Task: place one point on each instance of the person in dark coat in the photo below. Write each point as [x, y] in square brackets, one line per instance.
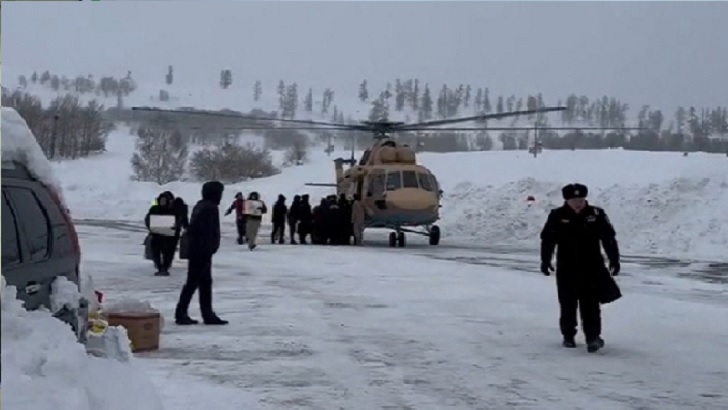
[280, 211]
[162, 246]
[332, 220]
[319, 233]
[204, 241]
[305, 221]
[294, 217]
[182, 211]
[238, 206]
[344, 226]
[578, 229]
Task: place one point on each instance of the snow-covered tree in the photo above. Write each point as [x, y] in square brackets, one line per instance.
[161, 155]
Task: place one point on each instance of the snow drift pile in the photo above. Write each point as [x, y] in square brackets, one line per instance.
[44, 367]
[660, 203]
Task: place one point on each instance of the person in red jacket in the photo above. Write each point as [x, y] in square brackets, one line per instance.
[240, 218]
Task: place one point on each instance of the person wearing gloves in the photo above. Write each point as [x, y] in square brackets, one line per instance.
[163, 244]
[254, 210]
[579, 231]
[238, 206]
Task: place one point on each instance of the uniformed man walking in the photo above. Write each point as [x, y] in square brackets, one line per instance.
[578, 229]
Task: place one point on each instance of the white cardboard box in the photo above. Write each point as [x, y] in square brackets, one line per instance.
[162, 224]
[252, 207]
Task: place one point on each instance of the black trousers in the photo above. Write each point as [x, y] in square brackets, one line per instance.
[583, 297]
[279, 232]
[163, 248]
[199, 278]
[304, 229]
[240, 224]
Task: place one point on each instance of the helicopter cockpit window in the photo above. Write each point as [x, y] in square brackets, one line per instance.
[394, 180]
[425, 182]
[376, 184]
[435, 184]
[365, 157]
[409, 179]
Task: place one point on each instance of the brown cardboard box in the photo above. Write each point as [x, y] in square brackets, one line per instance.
[143, 328]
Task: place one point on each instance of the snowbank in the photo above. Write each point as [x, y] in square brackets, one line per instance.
[660, 203]
[45, 368]
[19, 145]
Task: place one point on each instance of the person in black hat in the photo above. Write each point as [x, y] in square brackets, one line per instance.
[578, 229]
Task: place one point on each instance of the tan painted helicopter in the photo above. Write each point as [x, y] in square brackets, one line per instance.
[398, 193]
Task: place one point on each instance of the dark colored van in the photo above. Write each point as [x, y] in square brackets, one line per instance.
[39, 243]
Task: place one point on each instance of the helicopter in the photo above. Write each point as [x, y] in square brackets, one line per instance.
[398, 193]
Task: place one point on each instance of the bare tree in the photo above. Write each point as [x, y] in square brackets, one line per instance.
[66, 129]
[231, 162]
[161, 155]
[297, 153]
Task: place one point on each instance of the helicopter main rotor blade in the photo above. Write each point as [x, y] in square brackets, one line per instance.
[487, 128]
[228, 115]
[482, 117]
[195, 127]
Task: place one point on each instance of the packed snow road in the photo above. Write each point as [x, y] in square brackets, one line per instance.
[363, 328]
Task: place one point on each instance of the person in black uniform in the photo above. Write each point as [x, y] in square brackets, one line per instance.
[578, 229]
[204, 241]
[294, 217]
[280, 211]
[162, 246]
[305, 219]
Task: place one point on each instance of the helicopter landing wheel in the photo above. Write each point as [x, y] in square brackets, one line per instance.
[392, 239]
[401, 241]
[434, 235]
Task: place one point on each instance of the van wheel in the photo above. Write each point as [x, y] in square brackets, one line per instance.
[401, 242]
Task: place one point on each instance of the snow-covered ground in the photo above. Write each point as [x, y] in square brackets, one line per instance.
[660, 203]
[374, 327]
[468, 324]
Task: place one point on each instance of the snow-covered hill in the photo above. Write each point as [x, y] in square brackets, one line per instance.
[660, 203]
[187, 92]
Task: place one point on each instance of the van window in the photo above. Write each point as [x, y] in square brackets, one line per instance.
[32, 217]
[11, 247]
[61, 237]
[425, 182]
[409, 179]
[394, 180]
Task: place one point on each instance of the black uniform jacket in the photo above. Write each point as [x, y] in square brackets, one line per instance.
[579, 238]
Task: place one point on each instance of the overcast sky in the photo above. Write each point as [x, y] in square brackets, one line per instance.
[659, 53]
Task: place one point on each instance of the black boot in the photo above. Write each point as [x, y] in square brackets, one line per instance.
[185, 321]
[569, 342]
[593, 345]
